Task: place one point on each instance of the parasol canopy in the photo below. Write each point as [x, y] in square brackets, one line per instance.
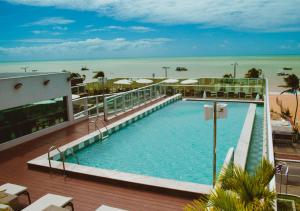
[189, 81]
[144, 81]
[170, 81]
[123, 82]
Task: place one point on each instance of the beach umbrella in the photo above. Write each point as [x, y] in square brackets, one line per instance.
[123, 82]
[144, 81]
[189, 81]
[170, 81]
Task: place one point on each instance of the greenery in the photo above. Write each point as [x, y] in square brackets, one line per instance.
[292, 81]
[99, 74]
[239, 190]
[253, 73]
[290, 197]
[284, 205]
[227, 75]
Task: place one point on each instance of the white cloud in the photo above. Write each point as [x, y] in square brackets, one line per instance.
[46, 32]
[89, 48]
[50, 21]
[258, 15]
[41, 40]
[39, 31]
[141, 29]
[60, 28]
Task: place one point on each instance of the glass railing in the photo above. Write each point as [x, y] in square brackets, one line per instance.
[219, 87]
[124, 101]
[88, 106]
[208, 87]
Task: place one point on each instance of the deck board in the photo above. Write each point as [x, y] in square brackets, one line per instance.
[87, 194]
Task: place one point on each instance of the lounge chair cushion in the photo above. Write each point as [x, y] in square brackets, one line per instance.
[4, 207]
[12, 188]
[107, 208]
[47, 200]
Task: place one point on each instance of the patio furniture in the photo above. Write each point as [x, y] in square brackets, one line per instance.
[55, 208]
[213, 94]
[230, 95]
[15, 190]
[241, 94]
[5, 207]
[108, 208]
[8, 199]
[220, 94]
[48, 200]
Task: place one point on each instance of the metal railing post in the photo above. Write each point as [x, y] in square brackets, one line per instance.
[85, 105]
[97, 106]
[123, 103]
[105, 108]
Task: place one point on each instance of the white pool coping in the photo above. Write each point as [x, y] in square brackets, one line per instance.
[190, 187]
[242, 149]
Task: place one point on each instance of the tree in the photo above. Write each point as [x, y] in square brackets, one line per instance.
[253, 73]
[227, 75]
[240, 190]
[292, 81]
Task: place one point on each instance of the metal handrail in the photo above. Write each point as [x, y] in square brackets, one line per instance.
[61, 154]
[96, 126]
[74, 155]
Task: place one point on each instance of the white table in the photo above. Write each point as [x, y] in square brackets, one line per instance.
[15, 190]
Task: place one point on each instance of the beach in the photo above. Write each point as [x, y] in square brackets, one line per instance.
[288, 101]
[147, 67]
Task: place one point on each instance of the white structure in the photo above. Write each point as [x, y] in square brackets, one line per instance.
[20, 94]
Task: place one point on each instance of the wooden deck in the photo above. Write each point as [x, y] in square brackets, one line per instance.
[87, 194]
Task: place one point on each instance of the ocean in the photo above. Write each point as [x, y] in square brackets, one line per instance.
[146, 67]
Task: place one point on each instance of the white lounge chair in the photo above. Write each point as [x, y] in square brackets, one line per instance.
[16, 190]
[48, 200]
[107, 208]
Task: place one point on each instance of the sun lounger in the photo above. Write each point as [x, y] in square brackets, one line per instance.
[50, 199]
[107, 208]
[220, 94]
[242, 95]
[15, 190]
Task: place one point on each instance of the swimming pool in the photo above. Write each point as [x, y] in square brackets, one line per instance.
[174, 142]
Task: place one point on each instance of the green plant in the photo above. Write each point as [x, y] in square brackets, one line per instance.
[253, 73]
[227, 75]
[292, 81]
[239, 190]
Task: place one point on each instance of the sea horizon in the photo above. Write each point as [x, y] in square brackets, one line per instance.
[153, 57]
[145, 67]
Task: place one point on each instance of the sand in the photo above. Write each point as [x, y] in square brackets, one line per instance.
[288, 101]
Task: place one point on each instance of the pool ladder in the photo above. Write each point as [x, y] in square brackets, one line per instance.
[96, 126]
[62, 155]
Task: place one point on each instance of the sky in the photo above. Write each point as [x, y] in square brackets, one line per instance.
[94, 29]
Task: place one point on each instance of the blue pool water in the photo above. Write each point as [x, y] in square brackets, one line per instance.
[256, 143]
[174, 142]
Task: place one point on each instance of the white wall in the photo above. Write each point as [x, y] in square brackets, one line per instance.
[33, 89]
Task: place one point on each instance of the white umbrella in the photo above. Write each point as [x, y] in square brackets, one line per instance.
[144, 81]
[170, 81]
[123, 82]
[189, 81]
